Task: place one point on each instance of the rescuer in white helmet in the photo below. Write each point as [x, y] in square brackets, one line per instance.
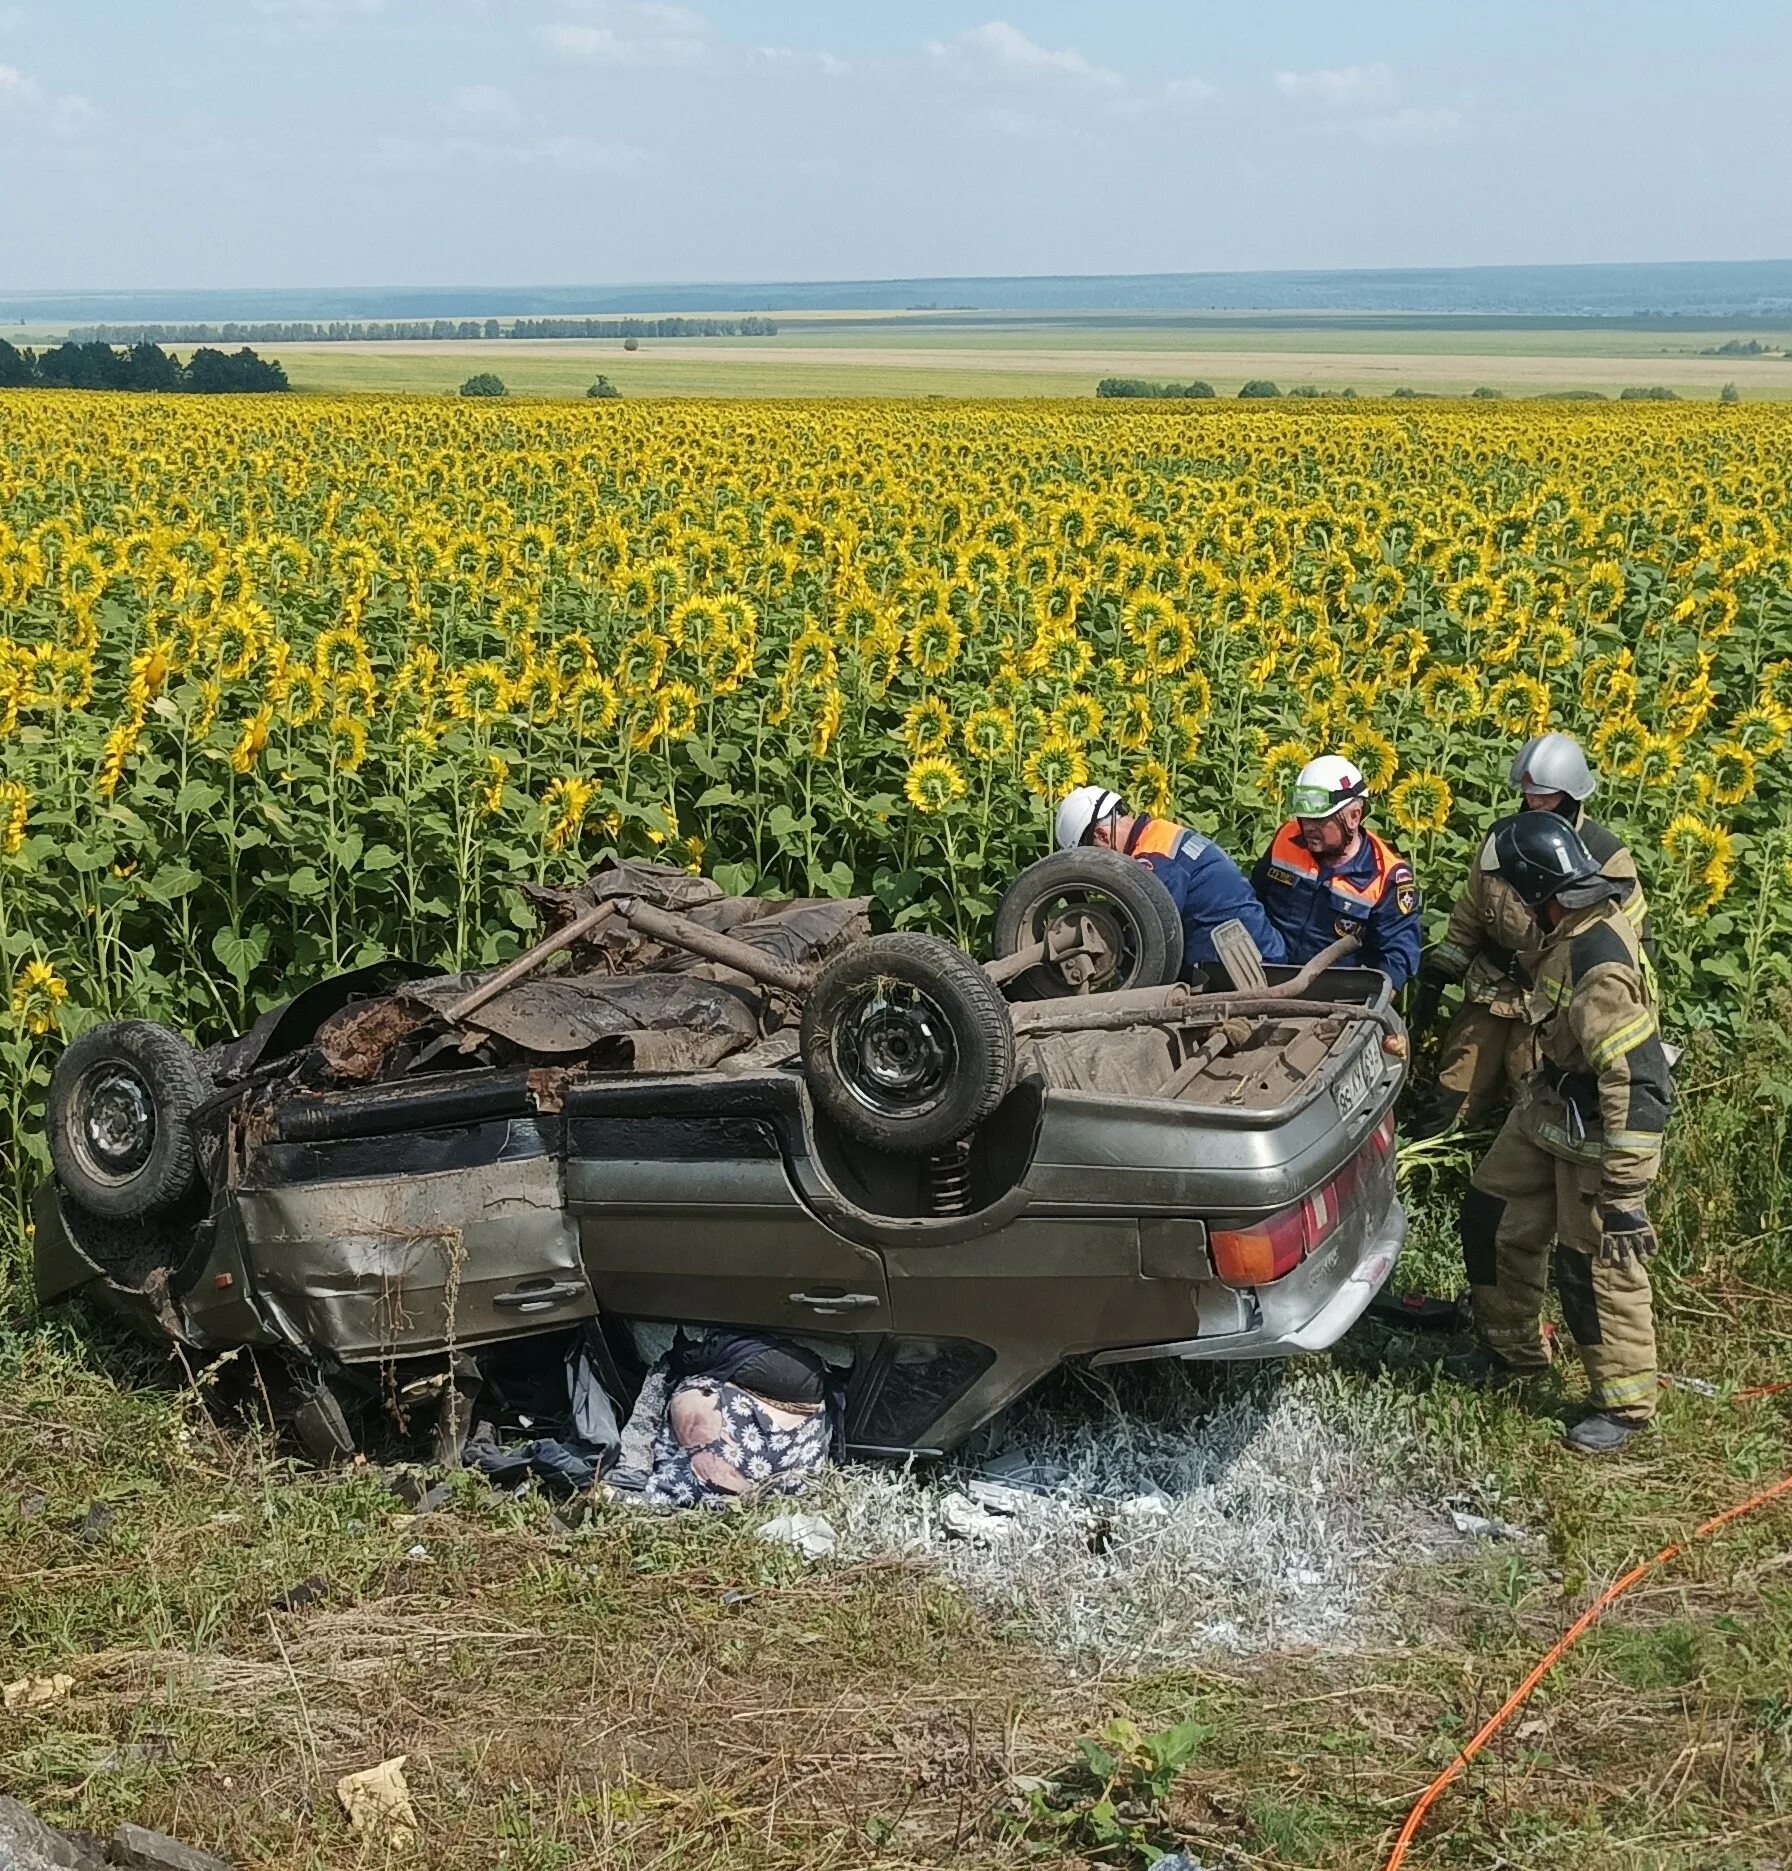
[1492, 944]
[1325, 876]
[1206, 886]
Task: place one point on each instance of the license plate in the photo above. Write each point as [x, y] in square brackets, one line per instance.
[1357, 1080]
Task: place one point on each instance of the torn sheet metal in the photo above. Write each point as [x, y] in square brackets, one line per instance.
[554, 1016]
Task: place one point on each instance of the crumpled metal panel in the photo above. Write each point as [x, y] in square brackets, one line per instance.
[407, 1264]
[557, 1015]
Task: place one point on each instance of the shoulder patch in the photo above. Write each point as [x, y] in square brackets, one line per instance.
[1406, 898]
[1594, 948]
[1603, 844]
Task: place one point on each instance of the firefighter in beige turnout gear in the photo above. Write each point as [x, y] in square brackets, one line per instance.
[1574, 1162]
[1491, 948]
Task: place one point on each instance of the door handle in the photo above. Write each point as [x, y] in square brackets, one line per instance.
[835, 1302]
[540, 1298]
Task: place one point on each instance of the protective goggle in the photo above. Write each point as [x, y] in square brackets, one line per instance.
[1320, 802]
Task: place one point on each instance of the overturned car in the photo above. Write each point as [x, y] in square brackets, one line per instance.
[681, 1108]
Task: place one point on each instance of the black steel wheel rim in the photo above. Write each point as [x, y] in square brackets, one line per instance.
[114, 1127]
[893, 1049]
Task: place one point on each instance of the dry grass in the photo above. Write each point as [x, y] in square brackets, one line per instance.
[656, 1691]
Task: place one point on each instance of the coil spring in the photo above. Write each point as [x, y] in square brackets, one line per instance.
[949, 1180]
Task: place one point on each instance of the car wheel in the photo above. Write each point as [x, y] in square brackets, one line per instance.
[120, 1104]
[1131, 917]
[906, 1043]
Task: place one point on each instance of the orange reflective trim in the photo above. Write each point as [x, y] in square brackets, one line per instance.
[1291, 854]
[1158, 840]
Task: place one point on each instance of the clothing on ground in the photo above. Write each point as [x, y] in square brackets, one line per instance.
[1371, 894]
[1206, 886]
[755, 1449]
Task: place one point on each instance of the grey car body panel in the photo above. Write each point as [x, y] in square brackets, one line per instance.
[404, 1220]
[417, 1263]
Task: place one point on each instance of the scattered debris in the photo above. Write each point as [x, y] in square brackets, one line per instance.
[418, 1494]
[1699, 1386]
[91, 1528]
[963, 1519]
[811, 1535]
[36, 1692]
[297, 1597]
[1171, 1514]
[378, 1803]
[1485, 1527]
[997, 1496]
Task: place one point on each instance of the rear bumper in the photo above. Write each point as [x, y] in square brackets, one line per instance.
[1308, 1311]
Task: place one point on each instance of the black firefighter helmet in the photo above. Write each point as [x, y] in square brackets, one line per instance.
[1540, 855]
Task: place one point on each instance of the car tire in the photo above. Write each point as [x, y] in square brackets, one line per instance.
[906, 1043]
[119, 1114]
[1127, 895]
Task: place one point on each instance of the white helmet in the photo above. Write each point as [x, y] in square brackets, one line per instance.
[1081, 811]
[1326, 786]
[1553, 763]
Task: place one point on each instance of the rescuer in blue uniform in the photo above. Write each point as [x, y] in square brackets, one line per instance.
[1205, 885]
[1325, 876]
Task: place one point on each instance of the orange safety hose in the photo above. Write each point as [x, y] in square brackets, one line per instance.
[1609, 1596]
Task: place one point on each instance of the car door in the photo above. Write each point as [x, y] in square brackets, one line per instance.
[685, 1212]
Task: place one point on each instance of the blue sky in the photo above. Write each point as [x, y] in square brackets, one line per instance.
[459, 142]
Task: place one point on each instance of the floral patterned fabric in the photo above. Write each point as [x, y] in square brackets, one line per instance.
[772, 1458]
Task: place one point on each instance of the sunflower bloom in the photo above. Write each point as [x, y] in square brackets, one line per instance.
[1422, 803]
[15, 809]
[253, 739]
[988, 734]
[564, 806]
[1280, 764]
[927, 726]
[934, 782]
[1730, 777]
[1054, 768]
[37, 992]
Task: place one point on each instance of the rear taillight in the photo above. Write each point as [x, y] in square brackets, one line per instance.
[1268, 1249]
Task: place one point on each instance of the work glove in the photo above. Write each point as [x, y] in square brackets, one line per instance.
[1626, 1231]
[1427, 998]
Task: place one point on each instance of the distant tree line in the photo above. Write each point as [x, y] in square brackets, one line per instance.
[299, 332]
[1138, 386]
[95, 366]
[1741, 347]
[749, 327]
[346, 331]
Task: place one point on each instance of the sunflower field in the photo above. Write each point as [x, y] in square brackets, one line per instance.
[287, 684]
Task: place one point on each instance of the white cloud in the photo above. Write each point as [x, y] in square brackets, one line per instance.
[24, 103]
[1189, 91]
[1410, 128]
[1348, 87]
[796, 58]
[998, 50]
[565, 155]
[632, 33]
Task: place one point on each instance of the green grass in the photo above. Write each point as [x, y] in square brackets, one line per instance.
[645, 1692]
